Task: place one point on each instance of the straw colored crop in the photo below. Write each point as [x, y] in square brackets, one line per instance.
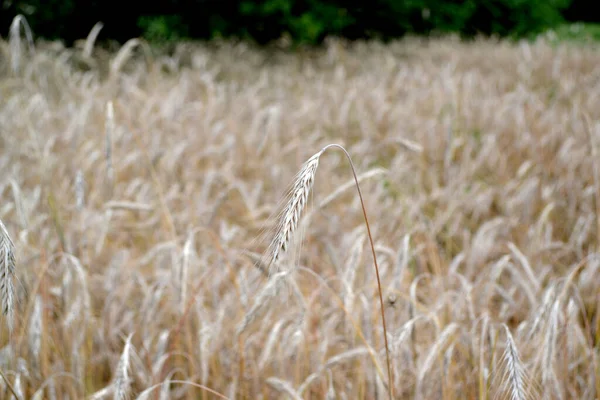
[142, 188]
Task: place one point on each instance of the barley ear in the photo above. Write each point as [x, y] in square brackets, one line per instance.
[515, 383]
[91, 39]
[7, 272]
[122, 381]
[288, 222]
[15, 41]
[514, 369]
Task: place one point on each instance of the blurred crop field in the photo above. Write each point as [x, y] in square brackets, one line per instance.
[140, 187]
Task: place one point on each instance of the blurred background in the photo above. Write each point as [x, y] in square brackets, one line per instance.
[300, 21]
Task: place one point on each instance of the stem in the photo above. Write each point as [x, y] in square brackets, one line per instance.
[197, 385]
[362, 203]
[10, 387]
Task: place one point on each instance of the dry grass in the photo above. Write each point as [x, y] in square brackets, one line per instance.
[134, 187]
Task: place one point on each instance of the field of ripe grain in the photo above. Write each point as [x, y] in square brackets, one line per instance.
[142, 190]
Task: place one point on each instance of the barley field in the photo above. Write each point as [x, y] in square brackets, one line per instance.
[155, 257]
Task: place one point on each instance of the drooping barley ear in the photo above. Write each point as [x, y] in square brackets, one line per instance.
[440, 345]
[122, 382]
[126, 51]
[288, 222]
[7, 273]
[91, 39]
[331, 362]
[272, 288]
[15, 40]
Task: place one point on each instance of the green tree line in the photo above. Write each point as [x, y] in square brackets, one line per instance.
[304, 21]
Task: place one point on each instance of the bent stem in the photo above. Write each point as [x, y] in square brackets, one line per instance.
[364, 210]
[196, 385]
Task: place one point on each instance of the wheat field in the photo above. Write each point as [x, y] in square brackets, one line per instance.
[142, 189]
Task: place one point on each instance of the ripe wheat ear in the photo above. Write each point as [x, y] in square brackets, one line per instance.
[513, 379]
[7, 272]
[290, 218]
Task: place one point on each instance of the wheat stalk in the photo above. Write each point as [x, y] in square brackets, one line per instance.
[7, 272]
[290, 217]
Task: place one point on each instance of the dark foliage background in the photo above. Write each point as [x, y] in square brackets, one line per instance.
[303, 21]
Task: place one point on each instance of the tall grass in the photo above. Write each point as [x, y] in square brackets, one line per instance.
[135, 185]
